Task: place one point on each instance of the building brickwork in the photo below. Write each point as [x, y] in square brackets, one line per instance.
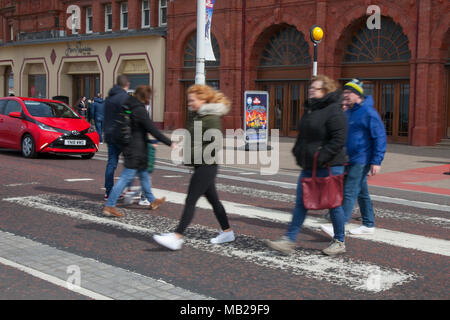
[243, 29]
[411, 95]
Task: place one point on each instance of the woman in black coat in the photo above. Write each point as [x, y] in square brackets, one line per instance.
[135, 153]
[322, 129]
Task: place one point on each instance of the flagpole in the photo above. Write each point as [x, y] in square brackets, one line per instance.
[200, 59]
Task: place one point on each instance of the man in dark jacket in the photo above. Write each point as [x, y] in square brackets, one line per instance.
[98, 114]
[113, 108]
[135, 153]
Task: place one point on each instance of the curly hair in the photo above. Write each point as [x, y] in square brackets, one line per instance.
[328, 84]
[209, 94]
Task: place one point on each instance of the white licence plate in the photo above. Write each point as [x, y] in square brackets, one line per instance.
[74, 142]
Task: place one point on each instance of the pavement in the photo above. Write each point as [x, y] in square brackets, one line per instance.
[405, 167]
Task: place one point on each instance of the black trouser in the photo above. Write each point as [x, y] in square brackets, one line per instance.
[203, 183]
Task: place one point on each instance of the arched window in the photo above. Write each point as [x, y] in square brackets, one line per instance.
[287, 47]
[190, 52]
[386, 44]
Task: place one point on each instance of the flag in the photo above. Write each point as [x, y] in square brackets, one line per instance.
[209, 53]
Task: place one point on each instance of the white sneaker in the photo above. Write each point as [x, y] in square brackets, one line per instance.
[169, 240]
[328, 229]
[223, 237]
[128, 198]
[144, 202]
[363, 230]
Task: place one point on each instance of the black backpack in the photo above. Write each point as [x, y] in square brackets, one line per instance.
[122, 127]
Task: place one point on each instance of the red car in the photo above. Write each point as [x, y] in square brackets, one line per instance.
[45, 126]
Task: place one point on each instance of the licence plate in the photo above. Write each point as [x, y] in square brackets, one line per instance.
[74, 142]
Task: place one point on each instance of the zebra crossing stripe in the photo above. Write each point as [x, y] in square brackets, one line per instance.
[344, 271]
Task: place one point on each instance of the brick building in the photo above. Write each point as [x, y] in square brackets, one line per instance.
[264, 44]
[259, 44]
[76, 48]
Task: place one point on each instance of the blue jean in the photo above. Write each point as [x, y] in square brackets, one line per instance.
[125, 178]
[99, 129]
[299, 212]
[355, 188]
[114, 152]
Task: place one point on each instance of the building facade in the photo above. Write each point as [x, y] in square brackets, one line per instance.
[264, 45]
[77, 48]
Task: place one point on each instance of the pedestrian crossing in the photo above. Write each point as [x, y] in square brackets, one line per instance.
[336, 270]
[346, 271]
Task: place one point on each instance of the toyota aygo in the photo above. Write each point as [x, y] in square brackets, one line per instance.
[36, 126]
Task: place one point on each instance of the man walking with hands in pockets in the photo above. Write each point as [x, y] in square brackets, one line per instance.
[366, 146]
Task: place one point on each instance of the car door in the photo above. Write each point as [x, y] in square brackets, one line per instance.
[2, 122]
[13, 126]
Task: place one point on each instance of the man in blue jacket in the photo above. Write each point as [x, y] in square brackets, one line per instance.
[113, 108]
[98, 114]
[366, 146]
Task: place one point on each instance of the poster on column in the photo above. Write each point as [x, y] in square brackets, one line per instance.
[256, 116]
[209, 53]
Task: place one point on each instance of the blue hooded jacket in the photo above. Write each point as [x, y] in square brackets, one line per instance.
[366, 142]
[98, 109]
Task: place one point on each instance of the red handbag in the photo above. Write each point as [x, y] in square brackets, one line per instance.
[322, 193]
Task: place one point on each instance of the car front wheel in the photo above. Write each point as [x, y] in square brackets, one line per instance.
[28, 147]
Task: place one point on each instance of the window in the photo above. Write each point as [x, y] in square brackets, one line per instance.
[145, 14]
[11, 30]
[138, 79]
[387, 44]
[108, 17]
[50, 110]
[2, 106]
[190, 52]
[162, 12]
[124, 16]
[287, 47]
[13, 106]
[89, 20]
[37, 86]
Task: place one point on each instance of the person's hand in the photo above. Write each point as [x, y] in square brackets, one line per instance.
[173, 145]
[155, 145]
[374, 169]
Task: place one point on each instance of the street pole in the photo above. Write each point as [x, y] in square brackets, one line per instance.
[316, 35]
[200, 59]
[315, 61]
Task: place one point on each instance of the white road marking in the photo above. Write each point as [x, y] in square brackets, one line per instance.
[340, 271]
[290, 198]
[393, 238]
[54, 280]
[21, 184]
[78, 180]
[172, 176]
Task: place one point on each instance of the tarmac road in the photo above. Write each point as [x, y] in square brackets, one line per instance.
[56, 222]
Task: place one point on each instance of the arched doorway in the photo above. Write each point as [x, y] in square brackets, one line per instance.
[284, 71]
[381, 59]
[189, 63]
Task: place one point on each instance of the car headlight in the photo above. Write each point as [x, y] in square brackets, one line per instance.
[46, 127]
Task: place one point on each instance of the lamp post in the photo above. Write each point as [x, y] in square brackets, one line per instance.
[316, 34]
[200, 59]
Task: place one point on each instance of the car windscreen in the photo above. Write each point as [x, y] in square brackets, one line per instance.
[50, 110]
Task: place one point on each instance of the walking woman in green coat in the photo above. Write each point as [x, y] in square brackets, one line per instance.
[209, 106]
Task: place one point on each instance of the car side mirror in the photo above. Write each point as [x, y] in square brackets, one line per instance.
[15, 114]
